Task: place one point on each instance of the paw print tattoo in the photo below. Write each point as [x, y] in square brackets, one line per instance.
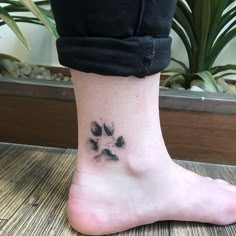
[104, 142]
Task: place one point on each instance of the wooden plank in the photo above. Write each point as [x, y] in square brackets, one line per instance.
[38, 121]
[198, 229]
[189, 229]
[22, 169]
[44, 211]
[222, 230]
[200, 136]
[3, 147]
[11, 157]
[2, 223]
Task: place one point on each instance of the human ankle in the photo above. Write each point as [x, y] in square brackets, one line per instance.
[127, 106]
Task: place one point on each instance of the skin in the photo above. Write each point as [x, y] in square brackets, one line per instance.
[116, 187]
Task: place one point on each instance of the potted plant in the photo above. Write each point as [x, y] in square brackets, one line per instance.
[205, 28]
[202, 121]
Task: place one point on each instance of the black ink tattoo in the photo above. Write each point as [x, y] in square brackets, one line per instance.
[109, 156]
[120, 142]
[93, 144]
[96, 129]
[109, 130]
[104, 142]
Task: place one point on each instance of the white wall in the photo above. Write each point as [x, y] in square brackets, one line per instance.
[42, 43]
[228, 55]
[44, 50]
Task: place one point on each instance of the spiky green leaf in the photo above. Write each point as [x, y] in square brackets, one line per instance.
[186, 25]
[209, 80]
[202, 27]
[186, 43]
[29, 4]
[217, 9]
[220, 45]
[5, 56]
[219, 69]
[181, 64]
[7, 18]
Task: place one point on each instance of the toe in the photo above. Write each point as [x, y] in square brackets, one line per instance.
[229, 187]
[221, 181]
[223, 208]
[230, 211]
[224, 184]
[208, 178]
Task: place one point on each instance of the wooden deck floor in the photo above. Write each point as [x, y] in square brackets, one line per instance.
[34, 184]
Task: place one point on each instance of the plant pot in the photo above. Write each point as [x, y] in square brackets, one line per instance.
[196, 126]
[199, 126]
[38, 112]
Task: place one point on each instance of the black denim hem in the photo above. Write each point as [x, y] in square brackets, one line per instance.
[135, 56]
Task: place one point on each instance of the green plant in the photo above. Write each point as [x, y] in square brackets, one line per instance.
[205, 27]
[9, 15]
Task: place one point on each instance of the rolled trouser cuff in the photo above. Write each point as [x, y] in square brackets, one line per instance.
[134, 56]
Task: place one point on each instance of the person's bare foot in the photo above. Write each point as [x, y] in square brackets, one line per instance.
[115, 199]
[124, 176]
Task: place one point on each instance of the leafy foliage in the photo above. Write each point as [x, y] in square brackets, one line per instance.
[205, 27]
[42, 15]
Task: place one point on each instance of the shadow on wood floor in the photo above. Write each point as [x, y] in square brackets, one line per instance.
[34, 185]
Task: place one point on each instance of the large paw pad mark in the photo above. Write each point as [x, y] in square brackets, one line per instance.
[104, 141]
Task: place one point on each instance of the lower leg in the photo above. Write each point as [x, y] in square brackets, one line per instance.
[124, 175]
